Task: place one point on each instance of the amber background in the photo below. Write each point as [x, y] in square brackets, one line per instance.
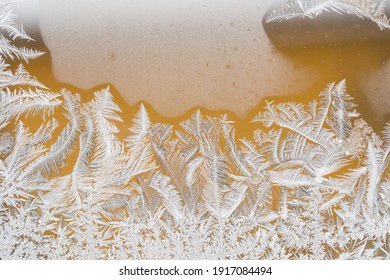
[177, 55]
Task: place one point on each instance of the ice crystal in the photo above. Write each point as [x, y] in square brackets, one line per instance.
[373, 10]
[312, 182]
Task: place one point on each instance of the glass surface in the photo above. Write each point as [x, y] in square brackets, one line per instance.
[194, 129]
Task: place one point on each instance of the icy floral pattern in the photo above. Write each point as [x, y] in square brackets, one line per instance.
[373, 10]
[312, 182]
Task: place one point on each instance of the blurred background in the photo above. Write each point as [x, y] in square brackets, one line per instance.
[176, 55]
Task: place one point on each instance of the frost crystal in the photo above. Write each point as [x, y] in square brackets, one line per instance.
[373, 10]
[312, 182]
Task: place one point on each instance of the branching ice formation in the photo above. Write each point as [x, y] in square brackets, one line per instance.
[313, 182]
[366, 9]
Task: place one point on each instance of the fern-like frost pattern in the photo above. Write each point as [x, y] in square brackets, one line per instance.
[312, 182]
[373, 10]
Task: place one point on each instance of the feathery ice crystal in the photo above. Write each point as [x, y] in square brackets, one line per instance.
[313, 182]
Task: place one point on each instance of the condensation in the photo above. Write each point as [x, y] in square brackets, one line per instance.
[177, 55]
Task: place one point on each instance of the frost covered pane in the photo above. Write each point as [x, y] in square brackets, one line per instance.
[312, 182]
